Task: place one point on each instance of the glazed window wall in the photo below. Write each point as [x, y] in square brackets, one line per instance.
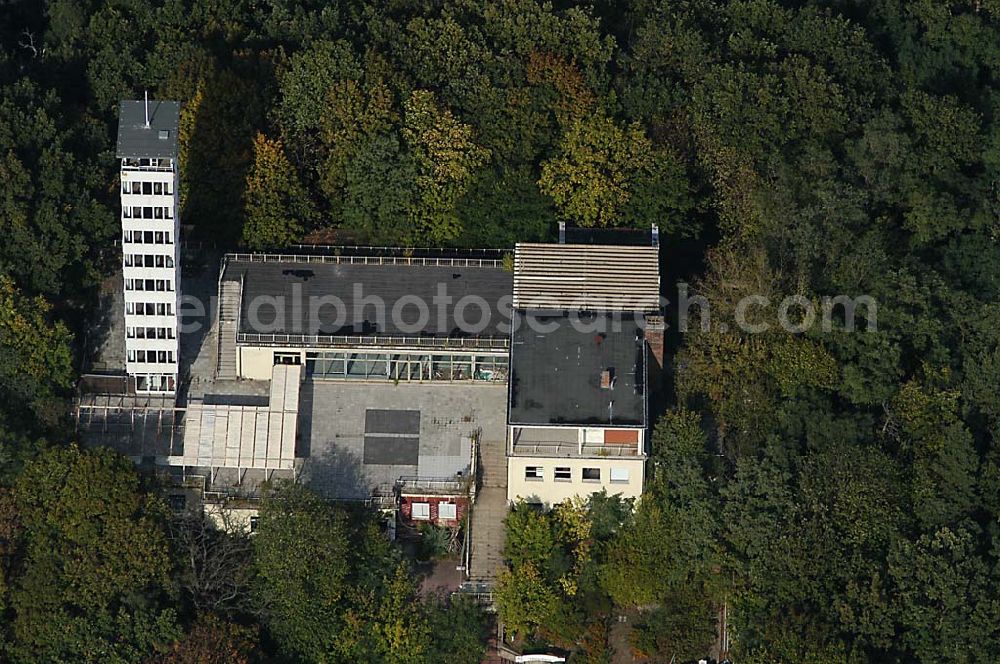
[345, 365]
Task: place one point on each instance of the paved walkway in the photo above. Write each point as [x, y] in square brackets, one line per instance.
[489, 512]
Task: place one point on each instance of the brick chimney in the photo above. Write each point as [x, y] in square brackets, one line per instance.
[655, 328]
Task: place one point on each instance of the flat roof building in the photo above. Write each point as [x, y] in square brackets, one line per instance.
[580, 368]
[577, 410]
[148, 129]
[370, 299]
[150, 221]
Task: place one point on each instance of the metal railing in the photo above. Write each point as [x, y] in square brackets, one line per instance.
[335, 259]
[550, 448]
[408, 483]
[373, 250]
[474, 343]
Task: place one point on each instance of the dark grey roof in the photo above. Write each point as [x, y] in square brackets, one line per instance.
[555, 374]
[136, 140]
[356, 286]
[615, 236]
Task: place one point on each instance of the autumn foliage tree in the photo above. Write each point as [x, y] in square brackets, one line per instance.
[278, 210]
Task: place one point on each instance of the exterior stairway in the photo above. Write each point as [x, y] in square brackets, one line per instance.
[229, 310]
[488, 513]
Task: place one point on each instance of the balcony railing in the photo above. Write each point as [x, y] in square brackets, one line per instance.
[431, 261]
[565, 449]
[433, 485]
[332, 341]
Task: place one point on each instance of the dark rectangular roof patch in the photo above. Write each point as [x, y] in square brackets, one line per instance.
[391, 451]
[392, 421]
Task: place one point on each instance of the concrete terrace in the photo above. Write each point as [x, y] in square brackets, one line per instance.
[332, 431]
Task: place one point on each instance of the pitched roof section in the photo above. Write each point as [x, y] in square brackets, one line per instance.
[586, 277]
[136, 140]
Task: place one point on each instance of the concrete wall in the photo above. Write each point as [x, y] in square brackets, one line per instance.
[229, 518]
[550, 491]
[256, 362]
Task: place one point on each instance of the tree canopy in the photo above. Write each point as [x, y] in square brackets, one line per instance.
[833, 488]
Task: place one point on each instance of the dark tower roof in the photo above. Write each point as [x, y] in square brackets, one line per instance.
[159, 139]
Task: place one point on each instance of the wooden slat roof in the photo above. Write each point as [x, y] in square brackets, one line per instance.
[586, 277]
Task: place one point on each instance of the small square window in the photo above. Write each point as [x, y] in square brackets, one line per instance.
[619, 475]
[421, 511]
[563, 474]
[591, 474]
[447, 511]
[534, 473]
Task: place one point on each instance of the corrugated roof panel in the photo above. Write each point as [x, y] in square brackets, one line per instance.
[586, 277]
[248, 433]
[276, 402]
[228, 436]
[293, 380]
[274, 436]
[206, 440]
[219, 436]
[233, 437]
[288, 426]
[192, 435]
[260, 439]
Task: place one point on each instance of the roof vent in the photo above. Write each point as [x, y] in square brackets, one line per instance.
[164, 134]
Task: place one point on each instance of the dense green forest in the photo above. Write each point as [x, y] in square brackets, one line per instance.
[838, 492]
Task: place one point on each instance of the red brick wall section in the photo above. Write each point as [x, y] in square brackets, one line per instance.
[406, 508]
[655, 327]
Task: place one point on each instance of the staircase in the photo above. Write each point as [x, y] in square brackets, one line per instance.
[229, 314]
[488, 513]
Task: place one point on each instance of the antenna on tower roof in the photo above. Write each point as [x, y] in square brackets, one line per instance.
[146, 106]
